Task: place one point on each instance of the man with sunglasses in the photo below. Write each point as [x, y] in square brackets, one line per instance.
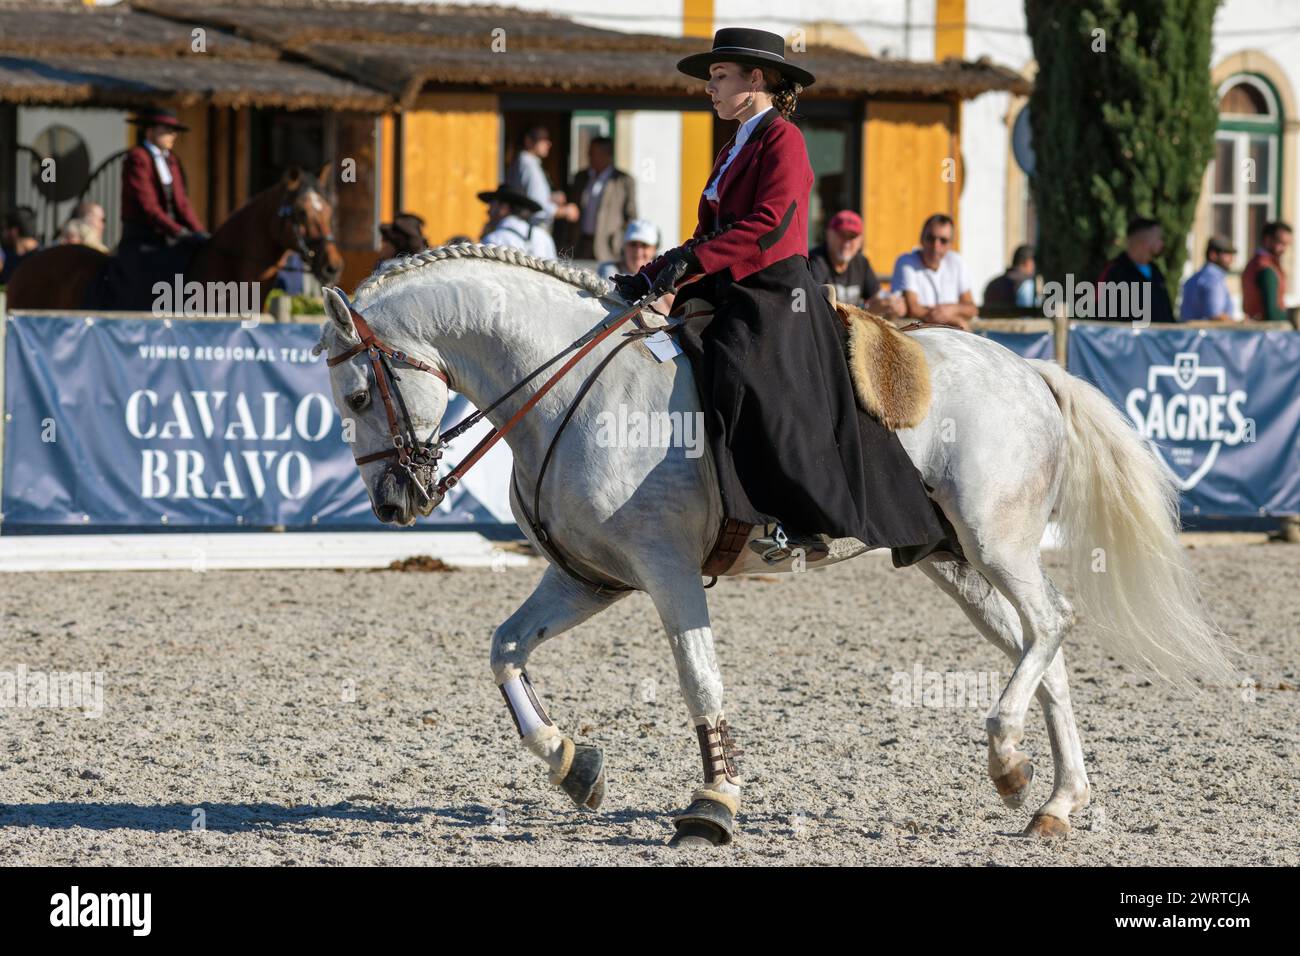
[933, 280]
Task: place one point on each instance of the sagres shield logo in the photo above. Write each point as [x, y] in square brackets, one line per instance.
[1187, 412]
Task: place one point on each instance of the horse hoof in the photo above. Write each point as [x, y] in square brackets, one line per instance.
[585, 781]
[1047, 827]
[1013, 786]
[703, 823]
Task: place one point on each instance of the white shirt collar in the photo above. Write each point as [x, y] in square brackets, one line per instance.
[154, 148]
[747, 127]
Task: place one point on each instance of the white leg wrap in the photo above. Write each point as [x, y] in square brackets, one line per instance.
[524, 706]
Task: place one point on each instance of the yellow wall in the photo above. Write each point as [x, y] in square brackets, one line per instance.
[903, 176]
[449, 155]
[697, 128]
[950, 34]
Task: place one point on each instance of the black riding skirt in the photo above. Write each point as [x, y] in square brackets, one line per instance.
[788, 437]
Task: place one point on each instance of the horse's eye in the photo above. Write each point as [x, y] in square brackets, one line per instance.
[357, 400]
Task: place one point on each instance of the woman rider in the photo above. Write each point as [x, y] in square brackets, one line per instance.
[792, 449]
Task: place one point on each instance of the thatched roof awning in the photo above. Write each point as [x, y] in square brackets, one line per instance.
[404, 70]
[134, 81]
[403, 48]
[114, 56]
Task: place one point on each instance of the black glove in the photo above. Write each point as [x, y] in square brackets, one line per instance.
[632, 287]
[678, 263]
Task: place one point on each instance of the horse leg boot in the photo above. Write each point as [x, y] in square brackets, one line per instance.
[557, 604]
[710, 817]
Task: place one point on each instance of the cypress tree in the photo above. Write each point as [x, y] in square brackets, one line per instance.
[1123, 117]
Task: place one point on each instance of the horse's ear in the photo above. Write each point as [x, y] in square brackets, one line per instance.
[292, 176]
[336, 307]
[324, 174]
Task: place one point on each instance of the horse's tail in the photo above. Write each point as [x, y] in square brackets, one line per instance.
[1118, 512]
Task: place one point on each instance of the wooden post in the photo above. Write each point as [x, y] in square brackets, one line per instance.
[282, 308]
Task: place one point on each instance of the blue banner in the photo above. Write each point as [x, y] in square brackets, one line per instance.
[151, 423]
[1030, 345]
[1222, 408]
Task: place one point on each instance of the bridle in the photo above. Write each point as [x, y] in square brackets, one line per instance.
[419, 459]
[308, 251]
[413, 455]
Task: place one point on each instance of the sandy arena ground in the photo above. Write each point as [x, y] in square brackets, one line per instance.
[303, 720]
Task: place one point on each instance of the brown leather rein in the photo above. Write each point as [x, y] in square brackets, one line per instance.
[415, 456]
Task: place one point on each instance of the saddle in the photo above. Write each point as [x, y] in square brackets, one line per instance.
[890, 375]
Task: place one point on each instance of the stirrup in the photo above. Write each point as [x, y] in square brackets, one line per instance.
[779, 546]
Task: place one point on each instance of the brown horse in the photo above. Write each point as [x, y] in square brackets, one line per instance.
[293, 215]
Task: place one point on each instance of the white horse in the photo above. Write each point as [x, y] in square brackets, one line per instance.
[1007, 444]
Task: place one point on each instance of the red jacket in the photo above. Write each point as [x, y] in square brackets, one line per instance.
[1252, 295]
[143, 199]
[766, 189]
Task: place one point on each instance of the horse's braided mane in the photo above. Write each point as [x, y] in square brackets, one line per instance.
[403, 265]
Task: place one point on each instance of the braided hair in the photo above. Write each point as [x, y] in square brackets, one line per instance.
[785, 92]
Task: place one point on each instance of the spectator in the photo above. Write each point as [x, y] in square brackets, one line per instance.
[77, 232]
[18, 238]
[92, 214]
[839, 262]
[640, 246]
[404, 236]
[933, 280]
[508, 224]
[1263, 283]
[1144, 240]
[1205, 294]
[606, 199]
[527, 176]
[1015, 287]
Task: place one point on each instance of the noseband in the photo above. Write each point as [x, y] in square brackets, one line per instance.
[413, 455]
[308, 251]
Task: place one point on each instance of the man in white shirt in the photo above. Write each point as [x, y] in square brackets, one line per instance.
[933, 279]
[508, 225]
[527, 176]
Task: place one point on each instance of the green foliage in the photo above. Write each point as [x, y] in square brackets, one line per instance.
[1123, 117]
[298, 304]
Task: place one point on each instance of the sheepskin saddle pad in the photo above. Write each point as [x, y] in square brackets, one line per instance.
[888, 368]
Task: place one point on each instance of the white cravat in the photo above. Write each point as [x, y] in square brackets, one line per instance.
[160, 162]
[742, 137]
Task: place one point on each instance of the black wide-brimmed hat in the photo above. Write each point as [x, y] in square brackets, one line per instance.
[158, 117]
[752, 47]
[511, 197]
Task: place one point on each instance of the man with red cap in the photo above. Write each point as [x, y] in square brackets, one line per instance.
[839, 262]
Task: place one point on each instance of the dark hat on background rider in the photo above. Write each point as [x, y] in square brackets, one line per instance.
[1219, 244]
[405, 232]
[512, 198]
[158, 117]
[750, 47]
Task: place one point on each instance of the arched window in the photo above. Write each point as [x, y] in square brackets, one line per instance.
[1247, 164]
